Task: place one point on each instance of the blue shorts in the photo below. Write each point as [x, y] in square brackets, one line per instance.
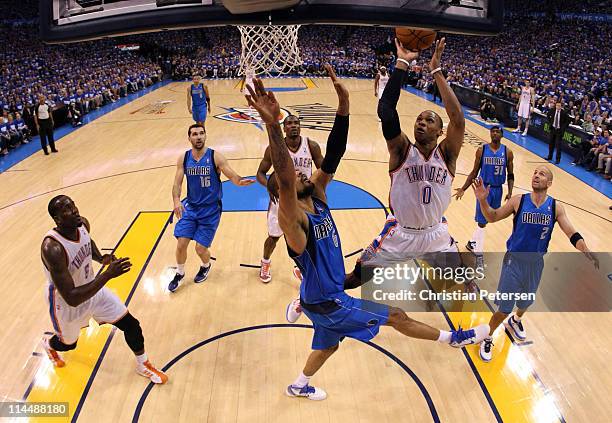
[199, 224]
[494, 199]
[519, 276]
[199, 113]
[358, 319]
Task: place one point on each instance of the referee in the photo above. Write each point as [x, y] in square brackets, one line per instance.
[44, 124]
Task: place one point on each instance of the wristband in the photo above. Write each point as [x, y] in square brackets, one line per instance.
[435, 70]
[404, 61]
[575, 238]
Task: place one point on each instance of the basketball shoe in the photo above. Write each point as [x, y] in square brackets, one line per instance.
[307, 391]
[517, 327]
[202, 274]
[461, 338]
[265, 275]
[486, 349]
[149, 371]
[52, 354]
[174, 283]
[294, 311]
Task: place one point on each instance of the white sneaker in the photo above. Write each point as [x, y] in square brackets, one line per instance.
[516, 327]
[310, 392]
[149, 371]
[475, 335]
[517, 130]
[265, 275]
[486, 349]
[294, 311]
[524, 133]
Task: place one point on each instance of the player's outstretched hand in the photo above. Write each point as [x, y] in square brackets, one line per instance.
[264, 102]
[243, 182]
[592, 257]
[437, 56]
[107, 259]
[405, 54]
[507, 197]
[480, 191]
[339, 86]
[119, 267]
[458, 193]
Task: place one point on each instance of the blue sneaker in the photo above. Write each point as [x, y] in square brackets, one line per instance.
[517, 328]
[174, 283]
[310, 392]
[202, 274]
[476, 335]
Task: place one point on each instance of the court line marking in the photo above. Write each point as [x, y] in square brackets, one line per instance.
[415, 378]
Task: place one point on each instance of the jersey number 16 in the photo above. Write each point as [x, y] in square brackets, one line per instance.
[205, 181]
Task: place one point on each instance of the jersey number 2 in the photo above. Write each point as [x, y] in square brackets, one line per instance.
[544, 232]
[426, 195]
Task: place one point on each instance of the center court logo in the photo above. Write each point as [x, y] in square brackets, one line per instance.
[248, 115]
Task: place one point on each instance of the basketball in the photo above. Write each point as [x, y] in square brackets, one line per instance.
[415, 39]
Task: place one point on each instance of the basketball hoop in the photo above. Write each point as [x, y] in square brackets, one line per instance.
[271, 50]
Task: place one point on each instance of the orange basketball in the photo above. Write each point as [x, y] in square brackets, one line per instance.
[415, 39]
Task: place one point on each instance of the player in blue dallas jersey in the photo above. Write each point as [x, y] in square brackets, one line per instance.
[535, 215]
[198, 100]
[494, 161]
[314, 244]
[199, 214]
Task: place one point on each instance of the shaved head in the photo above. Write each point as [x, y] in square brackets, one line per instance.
[548, 172]
[55, 204]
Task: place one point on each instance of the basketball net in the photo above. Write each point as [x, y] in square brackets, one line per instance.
[270, 50]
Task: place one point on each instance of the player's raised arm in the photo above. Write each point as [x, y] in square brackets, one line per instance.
[491, 214]
[336, 142]
[473, 174]
[292, 218]
[456, 128]
[397, 141]
[226, 169]
[575, 238]
[54, 258]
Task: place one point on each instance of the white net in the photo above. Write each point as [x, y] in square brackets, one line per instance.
[270, 50]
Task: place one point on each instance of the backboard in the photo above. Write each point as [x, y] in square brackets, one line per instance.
[77, 20]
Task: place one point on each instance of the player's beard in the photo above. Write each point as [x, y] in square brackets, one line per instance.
[306, 191]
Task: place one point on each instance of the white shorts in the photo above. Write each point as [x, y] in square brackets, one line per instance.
[524, 110]
[274, 229]
[396, 243]
[104, 307]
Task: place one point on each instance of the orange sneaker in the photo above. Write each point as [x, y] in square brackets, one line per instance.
[148, 370]
[52, 354]
[265, 275]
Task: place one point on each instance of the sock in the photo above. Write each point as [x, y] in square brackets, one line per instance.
[140, 359]
[478, 237]
[445, 337]
[180, 269]
[266, 261]
[206, 265]
[516, 318]
[301, 381]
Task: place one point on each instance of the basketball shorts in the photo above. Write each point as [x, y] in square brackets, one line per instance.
[199, 113]
[356, 318]
[524, 110]
[519, 276]
[104, 307]
[494, 199]
[381, 90]
[396, 243]
[274, 229]
[199, 223]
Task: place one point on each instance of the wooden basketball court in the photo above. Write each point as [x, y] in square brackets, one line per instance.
[229, 350]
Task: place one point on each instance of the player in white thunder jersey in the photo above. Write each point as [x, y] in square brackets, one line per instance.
[380, 82]
[249, 76]
[304, 152]
[421, 173]
[525, 106]
[75, 295]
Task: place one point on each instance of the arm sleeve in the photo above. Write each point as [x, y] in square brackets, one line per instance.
[336, 144]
